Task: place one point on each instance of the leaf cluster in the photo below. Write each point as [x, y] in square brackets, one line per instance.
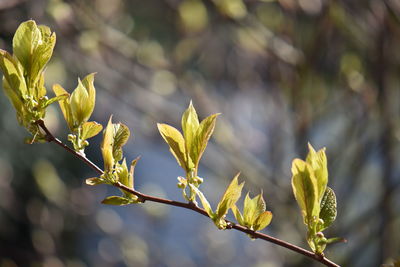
[316, 200]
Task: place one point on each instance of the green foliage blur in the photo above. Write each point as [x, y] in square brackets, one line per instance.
[282, 73]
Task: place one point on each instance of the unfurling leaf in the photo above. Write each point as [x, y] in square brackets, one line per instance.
[203, 134]
[238, 215]
[83, 99]
[318, 162]
[95, 181]
[253, 208]
[176, 143]
[328, 208]
[131, 180]
[305, 190]
[64, 105]
[230, 197]
[117, 201]
[107, 146]
[90, 129]
[190, 124]
[121, 135]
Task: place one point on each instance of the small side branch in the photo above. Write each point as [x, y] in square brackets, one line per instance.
[143, 197]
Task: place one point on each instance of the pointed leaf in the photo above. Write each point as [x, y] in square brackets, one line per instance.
[176, 143]
[204, 201]
[107, 146]
[263, 220]
[131, 182]
[318, 162]
[230, 197]
[305, 189]
[13, 96]
[117, 201]
[238, 215]
[253, 208]
[54, 99]
[203, 134]
[190, 124]
[122, 172]
[95, 181]
[64, 105]
[90, 129]
[79, 99]
[328, 208]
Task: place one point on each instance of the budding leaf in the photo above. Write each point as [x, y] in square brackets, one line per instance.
[328, 208]
[122, 173]
[95, 181]
[190, 124]
[64, 105]
[305, 189]
[253, 208]
[318, 162]
[203, 134]
[131, 181]
[230, 197]
[238, 215]
[176, 143]
[82, 100]
[262, 221]
[90, 129]
[121, 136]
[117, 201]
[107, 146]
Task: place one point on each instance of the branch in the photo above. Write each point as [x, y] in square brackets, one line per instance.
[191, 206]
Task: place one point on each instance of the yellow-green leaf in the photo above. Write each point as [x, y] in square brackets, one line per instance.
[12, 73]
[230, 197]
[121, 136]
[204, 201]
[262, 221]
[328, 208]
[90, 129]
[176, 143]
[107, 146]
[253, 208]
[203, 134]
[78, 101]
[238, 215]
[117, 201]
[14, 98]
[26, 39]
[190, 124]
[318, 162]
[64, 105]
[131, 182]
[122, 172]
[95, 181]
[305, 190]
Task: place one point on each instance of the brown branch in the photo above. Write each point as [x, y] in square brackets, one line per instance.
[191, 206]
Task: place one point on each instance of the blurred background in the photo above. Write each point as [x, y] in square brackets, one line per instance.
[282, 73]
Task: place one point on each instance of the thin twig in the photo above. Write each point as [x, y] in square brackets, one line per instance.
[191, 206]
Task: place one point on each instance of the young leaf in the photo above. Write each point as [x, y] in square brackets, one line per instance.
[25, 41]
[131, 181]
[190, 124]
[305, 189]
[117, 201]
[64, 105]
[328, 208]
[204, 201]
[318, 162]
[230, 197]
[95, 181]
[107, 146]
[176, 143]
[253, 208]
[238, 215]
[90, 129]
[12, 74]
[203, 134]
[121, 136]
[262, 221]
[79, 99]
[122, 173]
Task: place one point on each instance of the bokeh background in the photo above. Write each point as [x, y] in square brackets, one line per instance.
[282, 73]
